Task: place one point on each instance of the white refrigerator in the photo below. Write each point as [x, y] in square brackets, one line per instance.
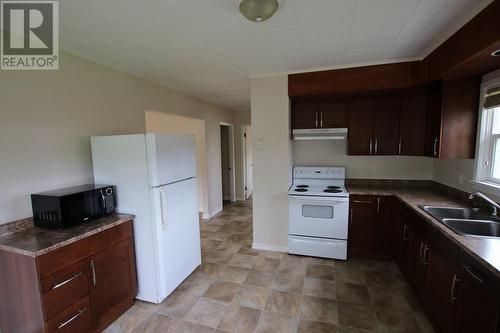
[155, 178]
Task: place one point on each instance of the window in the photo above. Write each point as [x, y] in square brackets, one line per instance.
[488, 159]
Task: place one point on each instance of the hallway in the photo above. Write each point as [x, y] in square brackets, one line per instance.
[238, 289]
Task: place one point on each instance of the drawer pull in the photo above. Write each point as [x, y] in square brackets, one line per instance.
[67, 322]
[362, 201]
[77, 275]
[471, 272]
[92, 266]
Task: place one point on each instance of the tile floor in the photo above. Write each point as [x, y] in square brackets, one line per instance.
[238, 289]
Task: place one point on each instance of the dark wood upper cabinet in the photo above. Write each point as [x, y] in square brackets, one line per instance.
[452, 119]
[386, 125]
[365, 78]
[412, 126]
[360, 134]
[442, 293]
[334, 114]
[305, 115]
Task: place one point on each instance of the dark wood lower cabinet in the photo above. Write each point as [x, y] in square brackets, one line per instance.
[441, 294]
[112, 287]
[477, 311]
[416, 265]
[370, 226]
[457, 295]
[81, 287]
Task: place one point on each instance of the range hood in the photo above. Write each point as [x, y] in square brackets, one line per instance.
[320, 134]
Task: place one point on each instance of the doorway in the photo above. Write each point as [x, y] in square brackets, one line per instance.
[227, 162]
[247, 160]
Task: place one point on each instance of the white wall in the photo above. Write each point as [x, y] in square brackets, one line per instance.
[333, 152]
[455, 173]
[47, 117]
[271, 154]
[240, 118]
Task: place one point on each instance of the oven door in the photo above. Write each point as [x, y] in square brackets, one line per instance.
[318, 216]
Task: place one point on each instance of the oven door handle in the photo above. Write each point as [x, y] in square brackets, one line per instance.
[313, 200]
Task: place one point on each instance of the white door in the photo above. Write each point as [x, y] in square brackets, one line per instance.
[172, 157]
[248, 162]
[318, 216]
[179, 234]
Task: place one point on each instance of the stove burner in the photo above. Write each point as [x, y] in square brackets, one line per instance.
[329, 190]
[331, 187]
[302, 186]
[301, 190]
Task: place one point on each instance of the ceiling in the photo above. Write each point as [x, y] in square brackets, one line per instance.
[206, 48]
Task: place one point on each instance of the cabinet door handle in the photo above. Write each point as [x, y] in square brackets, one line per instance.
[471, 272]
[405, 229]
[78, 314]
[371, 146]
[316, 118]
[421, 252]
[362, 201]
[350, 218]
[92, 266]
[77, 275]
[376, 146]
[424, 256]
[378, 205]
[436, 140]
[321, 119]
[453, 287]
[399, 146]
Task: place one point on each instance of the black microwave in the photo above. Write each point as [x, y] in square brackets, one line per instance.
[70, 206]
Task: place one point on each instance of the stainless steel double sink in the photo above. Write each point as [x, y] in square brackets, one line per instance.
[465, 221]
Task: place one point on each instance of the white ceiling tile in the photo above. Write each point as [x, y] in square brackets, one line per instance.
[229, 36]
[204, 14]
[365, 58]
[381, 17]
[243, 54]
[257, 67]
[334, 17]
[208, 49]
[369, 45]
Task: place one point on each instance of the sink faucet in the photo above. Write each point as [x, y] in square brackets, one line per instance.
[495, 207]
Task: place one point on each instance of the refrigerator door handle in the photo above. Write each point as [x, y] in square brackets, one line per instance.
[162, 208]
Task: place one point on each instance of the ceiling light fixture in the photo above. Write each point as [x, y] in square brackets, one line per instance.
[496, 53]
[258, 10]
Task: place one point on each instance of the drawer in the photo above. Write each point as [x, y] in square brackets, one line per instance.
[64, 288]
[54, 261]
[75, 319]
[480, 276]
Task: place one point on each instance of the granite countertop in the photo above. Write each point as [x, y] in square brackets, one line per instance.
[37, 241]
[486, 250]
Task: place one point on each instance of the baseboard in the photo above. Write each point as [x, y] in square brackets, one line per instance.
[216, 211]
[267, 247]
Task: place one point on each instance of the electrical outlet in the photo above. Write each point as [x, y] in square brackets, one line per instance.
[461, 178]
[373, 170]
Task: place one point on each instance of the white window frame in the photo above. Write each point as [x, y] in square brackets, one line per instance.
[485, 144]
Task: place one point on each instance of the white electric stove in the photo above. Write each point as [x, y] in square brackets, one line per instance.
[318, 212]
